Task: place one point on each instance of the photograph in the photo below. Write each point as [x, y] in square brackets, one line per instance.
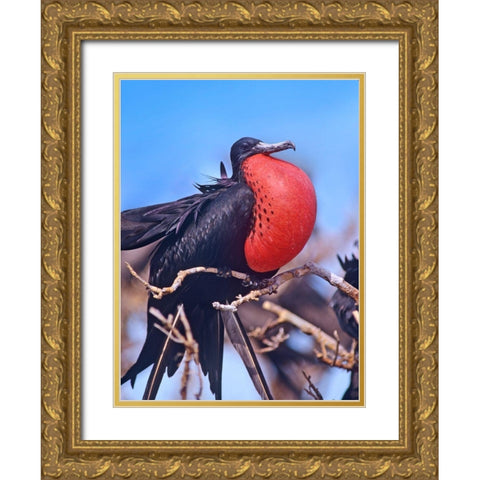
[239, 225]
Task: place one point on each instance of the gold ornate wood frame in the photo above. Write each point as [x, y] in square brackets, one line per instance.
[65, 24]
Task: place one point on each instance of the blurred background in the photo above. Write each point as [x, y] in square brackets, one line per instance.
[175, 133]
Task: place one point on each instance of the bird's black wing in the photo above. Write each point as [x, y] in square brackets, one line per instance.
[145, 225]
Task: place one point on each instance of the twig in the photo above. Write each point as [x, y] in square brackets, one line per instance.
[337, 338]
[272, 343]
[154, 378]
[189, 354]
[331, 352]
[167, 326]
[312, 390]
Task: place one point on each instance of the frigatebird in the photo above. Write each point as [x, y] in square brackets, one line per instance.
[345, 308]
[343, 305]
[253, 222]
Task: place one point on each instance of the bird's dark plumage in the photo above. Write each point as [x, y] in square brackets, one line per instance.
[206, 229]
[342, 304]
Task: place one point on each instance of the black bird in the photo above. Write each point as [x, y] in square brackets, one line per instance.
[254, 222]
[343, 305]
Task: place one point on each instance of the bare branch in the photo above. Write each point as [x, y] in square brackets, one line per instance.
[312, 390]
[191, 351]
[167, 326]
[271, 285]
[331, 352]
[272, 343]
[155, 376]
[158, 292]
[337, 338]
[333, 280]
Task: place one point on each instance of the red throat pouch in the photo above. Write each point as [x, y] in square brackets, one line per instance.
[284, 212]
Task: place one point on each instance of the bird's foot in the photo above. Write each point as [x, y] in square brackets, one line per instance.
[224, 272]
[256, 283]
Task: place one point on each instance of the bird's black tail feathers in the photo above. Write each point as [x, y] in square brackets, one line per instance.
[149, 354]
[239, 338]
[166, 355]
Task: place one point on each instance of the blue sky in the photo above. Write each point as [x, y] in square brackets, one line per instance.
[175, 133]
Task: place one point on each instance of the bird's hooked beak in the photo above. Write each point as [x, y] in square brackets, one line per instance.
[268, 148]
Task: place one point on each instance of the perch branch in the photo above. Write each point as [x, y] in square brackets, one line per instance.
[272, 285]
[158, 292]
[269, 286]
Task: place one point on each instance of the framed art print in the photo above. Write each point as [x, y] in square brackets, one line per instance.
[239, 239]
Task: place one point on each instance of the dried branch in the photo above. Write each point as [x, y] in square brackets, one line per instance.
[331, 352]
[155, 376]
[158, 292]
[337, 338]
[312, 390]
[167, 326]
[272, 285]
[333, 280]
[268, 287]
[272, 343]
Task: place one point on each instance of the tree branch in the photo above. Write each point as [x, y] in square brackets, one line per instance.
[272, 343]
[272, 285]
[167, 326]
[158, 292]
[269, 286]
[331, 352]
[312, 390]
